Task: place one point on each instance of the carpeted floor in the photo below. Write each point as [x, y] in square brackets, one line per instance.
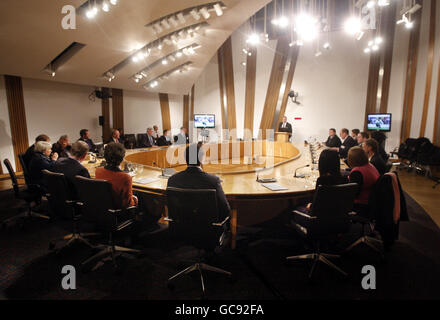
[28, 270]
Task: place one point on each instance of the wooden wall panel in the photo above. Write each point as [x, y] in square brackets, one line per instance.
[436, 135]
[411, 72]
[229, 83]
[292, 68]
[430, 67]
[251, 73]
[373, 84]
[191, 107]
[390, 28]
[165, 110]
[275, 80]
[186, 111]
[221, 81]
[106, 130]
[17, 117]
[118, 109]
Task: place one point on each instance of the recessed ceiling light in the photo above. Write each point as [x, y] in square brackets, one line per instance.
[218, 9]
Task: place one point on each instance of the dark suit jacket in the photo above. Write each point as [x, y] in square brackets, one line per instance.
[39, 163]
[346, 146]
[90, 143]
[28, 155]
[287, 129]
[62, 153]
[333, 142]
[70, 168]
[162, 142]
[196, 178]
[121, 141]
[379, 163]
[147, 142]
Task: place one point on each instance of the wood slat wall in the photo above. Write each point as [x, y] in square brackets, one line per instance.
[390, 29]
[165, 110]
[221, 81]
[436, 135]
[275, 80]
[191, 107]
[251, 73]
[186, 111]
[373, 84]
[118, 109]
[411, 71]
[229, 84]
[430, 67]
[289, 82]
[105, 105]
[17, 117]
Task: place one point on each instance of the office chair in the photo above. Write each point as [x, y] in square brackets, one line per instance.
[328, 218]
[142, 140]
[193, 219]
[97, 206]
[63, 205]
[130, 141]
[31, 198]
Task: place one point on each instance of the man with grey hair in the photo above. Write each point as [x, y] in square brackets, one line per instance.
[43, 159]
[72, 166]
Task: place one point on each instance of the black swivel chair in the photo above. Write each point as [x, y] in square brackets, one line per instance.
[142, 140]
[97, 206]
[193, 219]
[130, 141]
[31, 198]
[329, 217]
[63, 205]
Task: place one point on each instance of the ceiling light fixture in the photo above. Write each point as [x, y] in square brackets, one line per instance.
[173, 21]
[114, 2]
[353, 26]
[218, 9]
[181, 18]
[205, 13]
[165, 23]
[105, 6]
[306, 27]
[195, 14]
[253, 39]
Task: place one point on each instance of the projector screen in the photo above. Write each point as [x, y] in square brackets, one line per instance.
[379, 122]
[204, 120]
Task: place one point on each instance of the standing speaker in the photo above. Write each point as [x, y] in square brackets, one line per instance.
[101, 120]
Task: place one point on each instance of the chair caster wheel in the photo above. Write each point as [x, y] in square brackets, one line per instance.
[171, 286]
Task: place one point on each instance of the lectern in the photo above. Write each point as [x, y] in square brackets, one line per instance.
[282, 136]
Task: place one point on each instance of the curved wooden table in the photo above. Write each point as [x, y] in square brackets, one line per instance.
[251, 203]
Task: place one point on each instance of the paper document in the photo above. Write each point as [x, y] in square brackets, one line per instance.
[145, 180]
[274, 187]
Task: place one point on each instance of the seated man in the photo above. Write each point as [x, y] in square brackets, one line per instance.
[116, 137]
[71, 166]
[354, 133]
[150, 141]
[43, 159]
[165, 140]
[333, 140]
[31, 150]
[62, 147]
[347, 143]
[121, 182]
[85, 136]
[371, 148]
[156, 133]
[195, 178]
[361, 138]
[182, 137]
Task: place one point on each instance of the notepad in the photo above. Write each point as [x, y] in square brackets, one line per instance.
[274, 187]
[145, 180]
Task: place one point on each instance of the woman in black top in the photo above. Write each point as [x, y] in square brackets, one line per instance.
[329, 172]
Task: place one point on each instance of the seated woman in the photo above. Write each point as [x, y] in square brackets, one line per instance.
[329, 172]
[41, 160]
[365, 175]
[121, 182]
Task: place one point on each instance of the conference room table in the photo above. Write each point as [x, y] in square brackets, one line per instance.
[251, 202]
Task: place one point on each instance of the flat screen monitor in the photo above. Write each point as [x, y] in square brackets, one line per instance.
[379, 122]
[204, 120]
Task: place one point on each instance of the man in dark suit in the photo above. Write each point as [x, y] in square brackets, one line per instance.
[164, 140]
[31, 150]
[85, 136]
[371, 148]
[347, 143]
[62, 147]
[195, 178]
[116, 137]
[285, 127]
[333, 140]
[72, 166]
[148, 141]
[182, 137]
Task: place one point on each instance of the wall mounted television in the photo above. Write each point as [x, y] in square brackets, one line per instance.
[379, 122]
[202, 121]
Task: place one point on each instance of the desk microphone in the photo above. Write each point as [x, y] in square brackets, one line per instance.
[303, 175]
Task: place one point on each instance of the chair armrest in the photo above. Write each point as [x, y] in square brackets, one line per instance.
[221, 224]
[304, 216]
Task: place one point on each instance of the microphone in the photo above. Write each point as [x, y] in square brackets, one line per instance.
[302, 175]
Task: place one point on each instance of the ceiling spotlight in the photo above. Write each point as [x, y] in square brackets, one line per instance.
[191, 50]
[282, 22]
[138, 76]
[409, 25]
[326, 46]
[178, 54]
[154, 84]
[195, 14]
[144, 74]
[371, 4]
[158, 28]
[383, 3]
[114, 2]
[53, 74]
[136, 80]
[165, 24]
[375, 47]
[317, 54]
[306, 27]
[173, 21]
[147, 53]
[253, 39]
[164, 61]
[360, 35]
[91, 13]
[353, 26]
[172, 58]
[182, 34]
[367, 50]
[105, 6]
[159, 46]
[245, 51]
[218, 9]
[135, 59]
[370, 43]
[378, 40]
[181, 18]
[291, 44]
[243, 64]
[174, 38]
[205, 13]
[299, 43]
